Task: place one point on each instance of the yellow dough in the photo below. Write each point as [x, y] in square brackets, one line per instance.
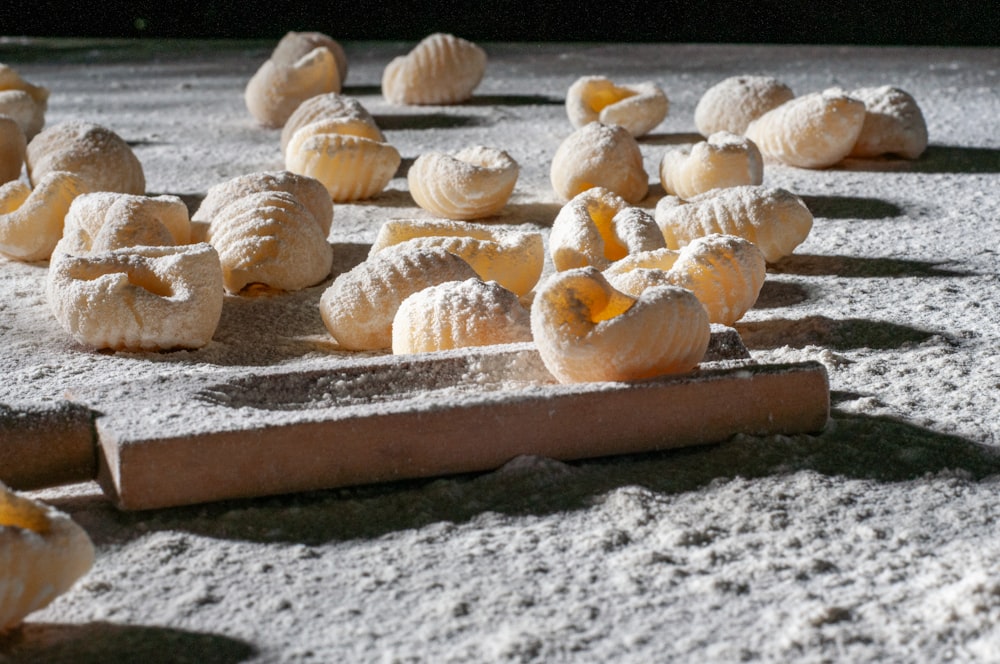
[31, 220]
[638, 108]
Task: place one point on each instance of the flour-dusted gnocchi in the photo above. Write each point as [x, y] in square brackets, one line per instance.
[599, 155]
[473, 183]
[98, 156]
[12, 148]
[512, 258]
[22, 102]
[336, 109]
[43, 552]
[724, 160]
[293, 45]
[816, 130]
[638, 107]
[774, 219]
[893, 124]
[733, 103]
[459, 314]
[441, 69]
[586, 330]
[598, 227]
[359, 306]
[104, 221]
[31, 220]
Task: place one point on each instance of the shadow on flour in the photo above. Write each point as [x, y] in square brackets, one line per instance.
[401, 121]
[935, 159]
[106, 642]
[850, 207]
[682, 138]
[778, 294]
[837, 334]
[856, 266]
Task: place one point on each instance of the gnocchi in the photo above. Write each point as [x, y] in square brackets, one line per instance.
[336, 109]
[22, 102]
[724, 160]
[893, 124]
[638, 108]
[599, 155]
[733, 103]
[31, 220]
[12, 148]
[104, 221]
[98, 156]
[442, 69]
[471, 184]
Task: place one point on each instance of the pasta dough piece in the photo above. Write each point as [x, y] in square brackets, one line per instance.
[471, 184]
[269, 238]
[893, 124]
[138, 298]
[98, 156]
[585, 330]
[733, 103]
[514, 259]
[459, 314]
[332, 107]
[22, 102]
[599, 155]
[724, 160]
[441, 69]
[598, 227]
[359, 306]
[775, 220]
[31, 220]
[105, 221]
[638, 108]
[293, 45]
[43, 552]
[12, 147]
[816, 130]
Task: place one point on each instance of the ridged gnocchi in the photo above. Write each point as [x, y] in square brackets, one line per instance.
[441, 69]
[12, 147]
[98, 156]
[359, 306]
[333, 108]
[733, 103]
[104, 221]
[723, 160]
[586, 330]
[22, 102]
[893, 124]
[43, 552]
[774, 219]
[459, 314]
[473, 183]
[599, 155]
[598, 227]
[638, 108]
[816, 130]
[514, 259]
[31, 220]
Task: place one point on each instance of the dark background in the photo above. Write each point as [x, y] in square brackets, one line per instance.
[893, 22]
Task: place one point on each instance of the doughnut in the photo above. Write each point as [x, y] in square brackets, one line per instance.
[585, 330]
[42, 554]
[724, 160]
[816, 130]
[599, 155]
[359, 306]
[514, 259]
[598, 227]
[12, 148]
[22, 102]
[138, 298]
[733, 103]
[104, 221]
[774, 219]
[459, 314]
[303, 65]
[441, 69]
[471, 184]
[893, 124]
[269, 238]
[31, 220]
[100, 157]
[332, 107]
[638, 108]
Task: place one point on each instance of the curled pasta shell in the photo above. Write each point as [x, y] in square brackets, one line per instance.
[459, 314]
[104, 221]
[98, 156]
[441, 69]
[638, 108]
[775, 220]
[22, 102]
[42, 554]
[585, 330]
[471, 184]
[724, 160]
[350, 167]
[598, 227]
[293, 45]
[138, 298]
[514, 259]
[816, 130]
[359, 306]
[12, 148]
[31, 220]
[893, 124]
[599, 155]
[332, 107]
[272, 239]
[733, 103]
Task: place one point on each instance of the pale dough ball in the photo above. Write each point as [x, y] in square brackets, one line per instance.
[473, 183]
[638, 108]
[98, 156]
[441, 69]
[893, 124]
[599, 155]
[733, 103]
[12, 148]
[724, 160]
[42, 554]
[459, 314]
[22, 102]
[31, 220]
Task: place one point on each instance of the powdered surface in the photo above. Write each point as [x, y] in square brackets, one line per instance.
[873, 541]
